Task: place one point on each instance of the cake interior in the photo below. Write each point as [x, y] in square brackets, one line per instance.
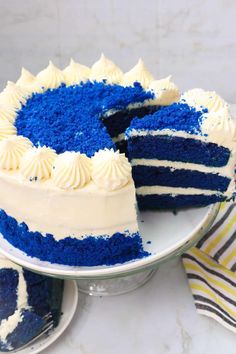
[25, 320]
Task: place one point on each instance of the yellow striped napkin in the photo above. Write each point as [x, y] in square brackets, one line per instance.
[211, 269]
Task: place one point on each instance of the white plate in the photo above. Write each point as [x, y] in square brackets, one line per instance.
[169, 234]
[69, 305]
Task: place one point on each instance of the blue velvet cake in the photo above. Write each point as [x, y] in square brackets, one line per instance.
[183, 155]
[66, 142]
[28, 303]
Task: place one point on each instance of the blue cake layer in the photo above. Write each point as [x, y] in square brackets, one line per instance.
[44, 298]
[69, 118]
[90, 251]
[8, 286]
[118, 122]
[166, 176]
[177, 117]
[27, 329]
[167, 201]
[164, 147]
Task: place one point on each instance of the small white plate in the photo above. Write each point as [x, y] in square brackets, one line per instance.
[164, 235]
[69, 305]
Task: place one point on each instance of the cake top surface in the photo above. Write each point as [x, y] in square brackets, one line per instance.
[68, 118]
[51, 124]
[177, 116]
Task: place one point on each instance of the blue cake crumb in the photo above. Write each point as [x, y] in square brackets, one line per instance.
[177, 116]
[68, 118]
[90, 251]
[8, 296]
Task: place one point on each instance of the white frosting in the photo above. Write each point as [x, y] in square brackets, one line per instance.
[14, 95]
[148, 190]
[28, 81]
[7, 113]
[26, 78]
[220, 126]
[8, 325]
[71, 170]
[11, 151]
[227, 143]
[76, 73]
[105, 69]
[51, 77]
[79, 212]
[199, 99]
[165, 90]
[110, 170]
[138, 73]
[6, 129]
[36, 163]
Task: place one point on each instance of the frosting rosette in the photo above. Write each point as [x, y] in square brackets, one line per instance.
[138, 73]
[110, 169]
[14, 95]
[105, 69]
[76, 73]
[36, 163]
[220, 126]
[165, 90]
[51, 77]
[6, 129]
[71, 170]
[28, 81]
[200, 99]
[7, 113]
[12, 150]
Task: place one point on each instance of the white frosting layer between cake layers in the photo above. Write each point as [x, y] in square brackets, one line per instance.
[76, 213]
[8, 325]
[182, 134]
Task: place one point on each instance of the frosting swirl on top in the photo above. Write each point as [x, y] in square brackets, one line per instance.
[165, 90]
[14, 95]
[220, 126]
[7, 113]
[6, 129]
[110, 169]
[105, 69]
[199, 99]
[76, 73]
[11, 151]
[138, 73]
[36, 163]
[71, 170]
[51, 77]
[26, 78]
[28, 81]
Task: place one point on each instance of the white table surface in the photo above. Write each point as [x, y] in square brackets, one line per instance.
[157, 318]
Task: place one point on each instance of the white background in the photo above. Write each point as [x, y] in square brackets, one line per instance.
[195, 40]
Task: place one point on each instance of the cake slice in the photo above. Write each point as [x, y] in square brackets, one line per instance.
[28, 302]
[183, 155]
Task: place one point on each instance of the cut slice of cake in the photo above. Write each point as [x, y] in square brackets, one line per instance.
[29, 303]
[184, 154]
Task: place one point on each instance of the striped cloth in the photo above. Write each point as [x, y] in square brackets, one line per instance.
[211, 269]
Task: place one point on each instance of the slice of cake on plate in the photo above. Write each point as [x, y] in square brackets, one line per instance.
[29, 304]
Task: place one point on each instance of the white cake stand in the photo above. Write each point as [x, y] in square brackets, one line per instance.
[165, 235]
